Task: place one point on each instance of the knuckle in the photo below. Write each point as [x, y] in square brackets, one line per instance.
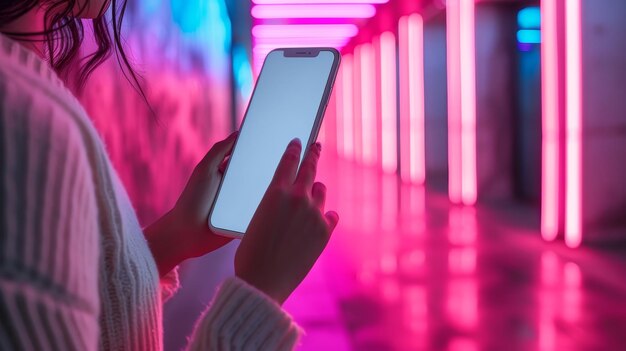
[279, 191]
[300, 199]
[291, 156]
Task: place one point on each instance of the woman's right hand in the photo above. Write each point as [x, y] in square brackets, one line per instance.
[289, 229]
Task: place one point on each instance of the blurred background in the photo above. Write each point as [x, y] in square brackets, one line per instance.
[475, 151]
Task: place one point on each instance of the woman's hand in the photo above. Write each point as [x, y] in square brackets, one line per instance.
[289, 229]
[183, 232]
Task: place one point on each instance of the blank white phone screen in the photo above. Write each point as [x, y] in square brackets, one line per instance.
[284, 106]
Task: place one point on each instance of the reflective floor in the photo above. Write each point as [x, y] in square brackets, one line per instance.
[405, 270]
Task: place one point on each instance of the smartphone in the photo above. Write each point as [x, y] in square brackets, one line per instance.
[288, 101]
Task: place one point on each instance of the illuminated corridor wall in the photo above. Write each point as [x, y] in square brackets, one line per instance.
[181, 49]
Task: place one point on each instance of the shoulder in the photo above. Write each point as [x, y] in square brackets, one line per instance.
[36, 110]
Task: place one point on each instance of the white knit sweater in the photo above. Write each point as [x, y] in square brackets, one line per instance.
[76, 272]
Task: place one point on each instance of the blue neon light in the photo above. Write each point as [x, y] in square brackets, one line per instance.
[529, 36]
[242, 71]
[529, 18]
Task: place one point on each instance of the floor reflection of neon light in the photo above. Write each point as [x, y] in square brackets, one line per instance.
[462, 302]
[462, 260]
[462, 225]
[572, 294]
[550, 278]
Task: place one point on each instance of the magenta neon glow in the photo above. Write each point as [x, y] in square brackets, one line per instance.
[313, 11]
[348, 106]
[550, 296]
[461, 102]
[304, 30]
[411, 49]
[416, 98]
[462, 308]
[301, 42]
[368, 105]
[404, 96]
[454, 101]
[275, 2]
[339, 99]
[550, 121]
[388, 108]
[261, 50]
[357, 118]
[468, 102]
[573, 178]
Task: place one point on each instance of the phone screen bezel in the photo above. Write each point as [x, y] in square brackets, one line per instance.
[287, 52]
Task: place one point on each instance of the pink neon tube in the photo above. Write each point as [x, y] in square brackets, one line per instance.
[468, 102]
[275, 2]
[388, 102]
[573, 185]
[304, 30]
[314, 11]
[454, 106]
[339, 100]
[403, 77]
[550, 121]
[411, 52]
[348, 106]
[357, 96]
[416, 98]
[368, 105]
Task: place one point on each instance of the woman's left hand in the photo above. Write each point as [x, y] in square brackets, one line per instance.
[183, 232]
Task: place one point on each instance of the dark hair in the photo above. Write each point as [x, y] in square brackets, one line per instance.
[63, 34]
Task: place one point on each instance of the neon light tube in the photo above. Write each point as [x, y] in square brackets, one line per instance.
[348, 105]
[411, 49]
[304, 30]
[313, 11]
[357, 118]
[573, 177]
[339, 100]
[550, 122]
[468, 102]
[389, 152]
[529, 18]
[263, 50]
[368, 105]
[300, 42]
[416, 98]
[529, 36]
[275, 2]
[454, 106]
[403, 78]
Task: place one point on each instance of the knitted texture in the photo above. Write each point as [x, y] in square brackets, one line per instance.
[76, 272]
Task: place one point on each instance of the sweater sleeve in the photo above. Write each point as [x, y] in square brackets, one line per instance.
[243, 318]
[48, 228]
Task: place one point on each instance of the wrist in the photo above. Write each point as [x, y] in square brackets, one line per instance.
[274, 293]
[164, 244]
